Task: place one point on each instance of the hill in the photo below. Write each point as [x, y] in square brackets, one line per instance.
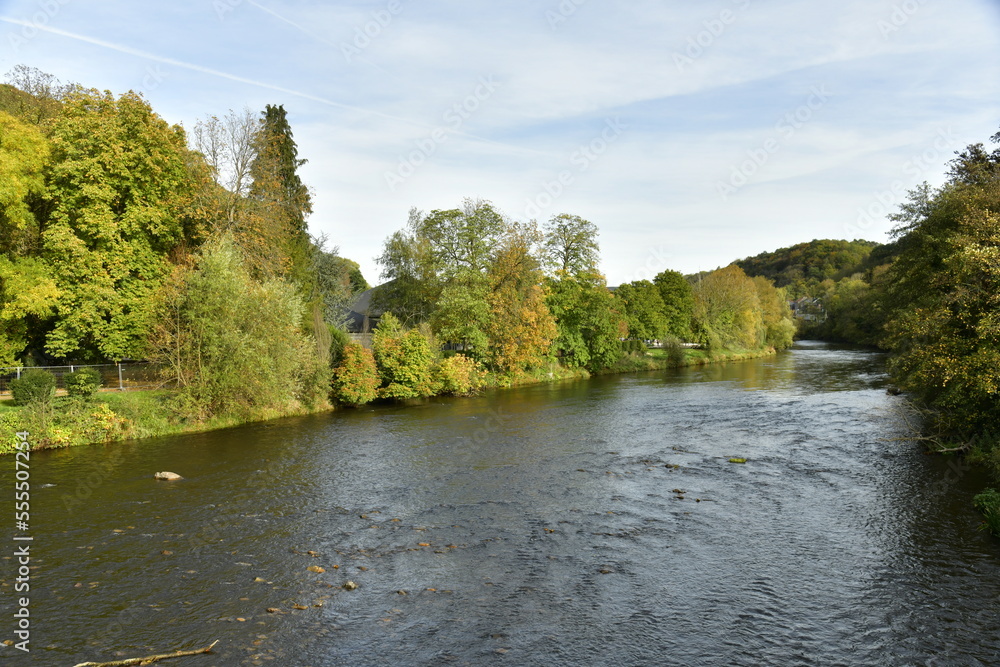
[814, 261]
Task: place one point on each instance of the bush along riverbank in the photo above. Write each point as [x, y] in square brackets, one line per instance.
[86, 415]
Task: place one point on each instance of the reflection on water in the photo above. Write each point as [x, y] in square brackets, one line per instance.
[595, 522]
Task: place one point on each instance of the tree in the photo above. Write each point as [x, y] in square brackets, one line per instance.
[119, 182]
[520, 329]
[404, 360]
[273, 233]
[411, 286]
[462, 312]
[24, 156]
[463, 239]
[229, 147]
[943, 294]
[356, 379]
[233, 344]
[32, 95]
[338, 281]
[678, 303]
[776, 316]
[589, 321]
[727, 310]
[571, 245]
[28, 297]
[644, 310]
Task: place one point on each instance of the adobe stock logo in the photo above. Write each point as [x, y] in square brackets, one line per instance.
[454, 118]
[582, 158]
[714, 28]
[785, 128]
[371, 29]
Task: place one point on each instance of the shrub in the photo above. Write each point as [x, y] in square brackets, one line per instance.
[83, 383]
[988, 502]
[313, 386]
[673, 349]
[403, 360]
[355, 380]
[339, 339]
[34, 386]
[232, 343]
[459, 375]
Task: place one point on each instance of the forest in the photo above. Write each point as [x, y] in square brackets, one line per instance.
[123, 237]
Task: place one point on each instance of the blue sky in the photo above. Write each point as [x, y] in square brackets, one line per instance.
[691, 133]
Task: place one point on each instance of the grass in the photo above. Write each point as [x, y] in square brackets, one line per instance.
[112, 415]
[988, 502]
[109, 417]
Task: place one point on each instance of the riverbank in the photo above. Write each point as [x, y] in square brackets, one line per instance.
[116, 416]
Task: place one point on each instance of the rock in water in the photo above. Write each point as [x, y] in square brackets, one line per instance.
[169, 476]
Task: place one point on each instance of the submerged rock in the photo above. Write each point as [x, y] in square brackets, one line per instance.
[169, 476]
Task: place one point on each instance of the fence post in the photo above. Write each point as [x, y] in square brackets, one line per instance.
[121, 387]
[18, 372]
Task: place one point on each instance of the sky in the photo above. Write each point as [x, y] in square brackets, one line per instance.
[691, 133]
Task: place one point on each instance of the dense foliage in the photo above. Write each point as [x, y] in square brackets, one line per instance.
[807, 264]
[943, 294]
[34, 386]
[356, 379]
[83, 382]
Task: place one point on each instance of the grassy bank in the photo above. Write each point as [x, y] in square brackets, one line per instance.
[114, 416]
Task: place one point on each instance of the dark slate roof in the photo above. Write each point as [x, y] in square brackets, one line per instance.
[362, 307]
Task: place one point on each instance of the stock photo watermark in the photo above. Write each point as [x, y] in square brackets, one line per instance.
[365, 33]
[562, 12]
[888, 199]
[582, 159]
[898, 17]
[453, 119]
[657, 261]
[784, 130]
[47, 10]
[22, 550]
[713, 29]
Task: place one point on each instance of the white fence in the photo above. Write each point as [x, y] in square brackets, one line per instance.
[123, 376]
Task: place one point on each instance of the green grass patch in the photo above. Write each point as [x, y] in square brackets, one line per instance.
[988, 502]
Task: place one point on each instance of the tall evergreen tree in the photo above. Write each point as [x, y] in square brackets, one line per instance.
[275, 236]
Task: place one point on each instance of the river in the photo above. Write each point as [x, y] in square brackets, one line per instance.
[596, 522]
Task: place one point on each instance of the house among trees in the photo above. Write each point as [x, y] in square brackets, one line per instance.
[362, 317]
[808, 309]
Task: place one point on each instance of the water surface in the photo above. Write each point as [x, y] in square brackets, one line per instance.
[584, 523]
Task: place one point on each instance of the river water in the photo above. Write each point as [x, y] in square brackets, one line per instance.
[586, 523]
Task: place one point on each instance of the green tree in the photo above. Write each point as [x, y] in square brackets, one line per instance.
[356, 379]
[233, 344]
[463, 239]
[24, 155]
[119, 182]
[28, 298]
[644, 310]
[589, 321]
[678, 303]
[411, 287]
[571, 245]
[943, 294]
[727, 310]
[776, 316]
[274, 234]
[462, 312]
[404, 360]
